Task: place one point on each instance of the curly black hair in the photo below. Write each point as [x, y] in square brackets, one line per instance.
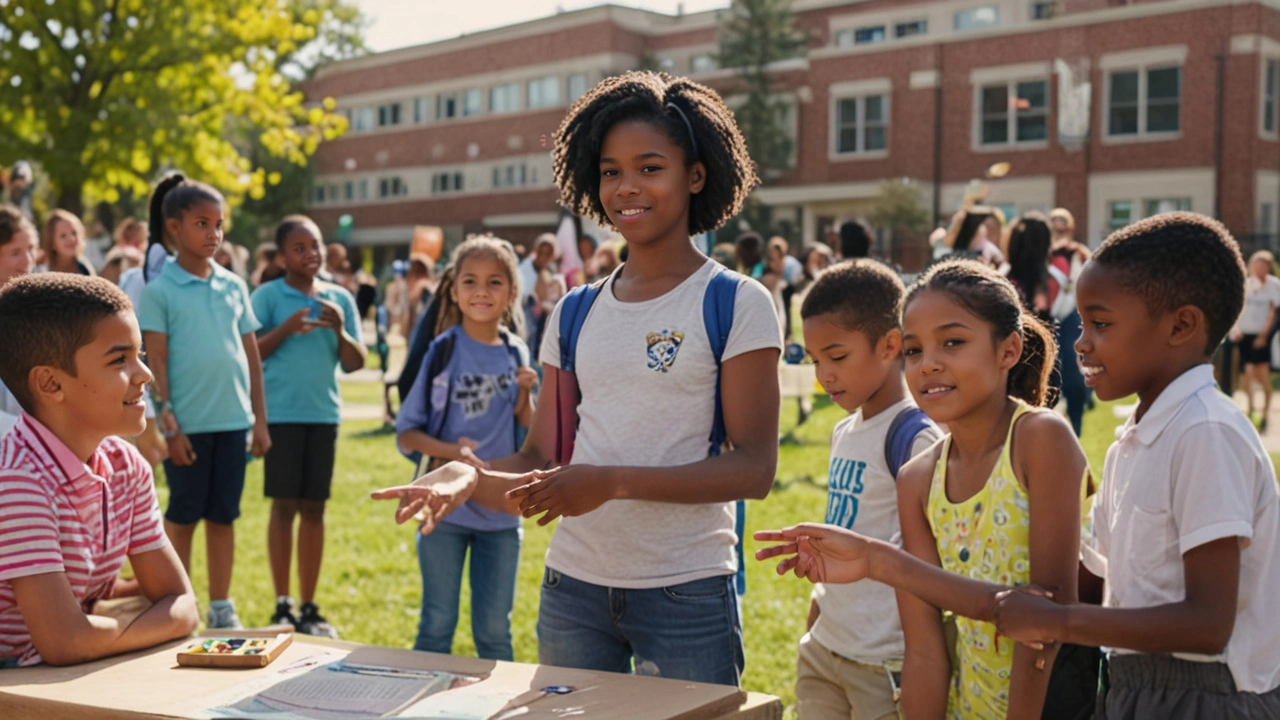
[692, 116]
[987, 294]
[1178, 259]
[52, 315]
[862, 295]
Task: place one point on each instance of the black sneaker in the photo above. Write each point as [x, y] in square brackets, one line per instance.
[284, 614]
[313, 623]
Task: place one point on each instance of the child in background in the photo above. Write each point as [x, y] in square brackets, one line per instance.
[851, 331]
[469, 411]
[996, 504]
[62, 241]
[309, 329]
[199, 327]
[17, 242]
[1252, 331]
[1186, 528]
[74, 500]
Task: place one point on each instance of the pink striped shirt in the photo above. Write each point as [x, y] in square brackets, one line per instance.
[60, 515]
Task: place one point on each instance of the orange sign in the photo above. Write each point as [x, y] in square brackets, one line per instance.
[428, 240]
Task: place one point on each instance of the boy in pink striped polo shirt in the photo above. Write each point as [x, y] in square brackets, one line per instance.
[75, 500]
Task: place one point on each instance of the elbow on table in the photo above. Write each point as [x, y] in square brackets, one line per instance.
[185, 615]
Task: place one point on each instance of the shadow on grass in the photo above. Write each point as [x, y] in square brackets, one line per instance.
[382, 431]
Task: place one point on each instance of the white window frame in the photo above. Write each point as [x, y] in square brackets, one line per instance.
[1184, 204]
[1011, 114]
[512, 91]
[543, 92]
[955, 18]
[517, 172]
[470, 103]
[1035, 5]
[899, 24]
[1272, 88]
[444, 98]
[882, 27]
[704, 62]
[570, 93]
[1142, 61]
[423, 108]
[457, 178]
[362, 189]
[396, 185]
[1111, 211]
[392, 113]
[860, 91]
[364, 118]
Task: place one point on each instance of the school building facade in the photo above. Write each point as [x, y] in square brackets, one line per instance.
[1115, 109]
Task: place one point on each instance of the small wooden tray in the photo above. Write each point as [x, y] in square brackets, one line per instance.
[234, 651]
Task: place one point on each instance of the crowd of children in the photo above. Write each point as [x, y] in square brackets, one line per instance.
[969, 563]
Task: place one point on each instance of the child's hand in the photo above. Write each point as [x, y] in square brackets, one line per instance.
[820, 553]
[567, 491]
[294, 324]
[467, 453]
[526, 377]
[1028, 616]
[180, 451]
[433, 496]
[261, 442]
[330, 315]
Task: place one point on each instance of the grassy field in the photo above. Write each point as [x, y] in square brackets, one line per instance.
[370, 586]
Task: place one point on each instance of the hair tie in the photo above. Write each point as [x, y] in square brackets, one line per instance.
[688, 125]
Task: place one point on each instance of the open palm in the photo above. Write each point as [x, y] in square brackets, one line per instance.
[819, 553]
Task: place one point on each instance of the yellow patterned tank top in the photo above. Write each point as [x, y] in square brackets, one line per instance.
[986, 537]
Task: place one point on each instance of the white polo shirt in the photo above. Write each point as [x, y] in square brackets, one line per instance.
[1191, 472]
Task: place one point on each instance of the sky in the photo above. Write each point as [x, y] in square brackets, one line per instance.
[399, 23]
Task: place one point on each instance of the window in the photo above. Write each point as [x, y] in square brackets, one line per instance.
[320, 194]
[332, 192]
[348, 191]
[907, 29]
[1144, 101]
[861, 124]
[363, 188]
[421, 109]
[705, 62]
[978, 18]
[471, 103]
[1266, 216]
[1270, 93]
[362, 119]
[844, 38]
[505, 176]
[446, 182]
[392, 187]
[577, 86]
[1017, 112]
[863, 36]
[389, 115]
[1119, 215]
[1043, 9]
[1164, 205]
[447, 106]
[544, 92]
[504, 98]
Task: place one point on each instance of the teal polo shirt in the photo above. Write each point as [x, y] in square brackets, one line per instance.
[301, 376]
[208, 369]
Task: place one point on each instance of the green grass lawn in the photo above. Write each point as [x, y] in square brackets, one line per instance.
[370, 586]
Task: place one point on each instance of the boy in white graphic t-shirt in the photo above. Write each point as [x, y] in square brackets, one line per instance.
[851, 330]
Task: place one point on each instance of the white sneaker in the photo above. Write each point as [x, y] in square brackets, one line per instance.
[224, 617]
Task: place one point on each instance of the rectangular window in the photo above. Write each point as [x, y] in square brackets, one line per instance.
[863, 36]
[389, 115]
[907, 29]
[471, 103]
[421, 110]
[704, 62]
[862, 124]
[978, 18]
[1043, 9]
[348, 190]
[577, 86]
[447, 106]
[392, 187]
[844, 38]
[446, 182]
[504, 98]
[1120, 214]
[1163, 205]
[362, 119]
[544, 92]
[319, 194]
[1266, 216]
[364, 189]
[1016, 112]
[505, 176]
[1270, 93]
[1145, 101]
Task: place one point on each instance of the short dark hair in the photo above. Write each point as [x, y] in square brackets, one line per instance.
[12, 222]
[1178, 259]
[692, 116]
[174, 195]
[47, 318]
[855, 240]
[862, 295]
[293, 222]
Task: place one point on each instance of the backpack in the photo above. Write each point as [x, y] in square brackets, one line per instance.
[717, 317]
[436, 361]
[906, 425]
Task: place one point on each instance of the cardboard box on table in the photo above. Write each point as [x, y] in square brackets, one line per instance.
[150, 684]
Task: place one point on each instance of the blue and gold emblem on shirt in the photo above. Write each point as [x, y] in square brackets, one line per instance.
[663, 346]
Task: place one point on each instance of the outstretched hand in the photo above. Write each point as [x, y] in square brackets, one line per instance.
[567, 491]
[430, 498]
[818, 553]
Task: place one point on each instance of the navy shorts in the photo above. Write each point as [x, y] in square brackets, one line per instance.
[299, 465]
[210, 488]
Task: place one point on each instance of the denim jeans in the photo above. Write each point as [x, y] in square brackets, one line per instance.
[690, 631]
[495, 556]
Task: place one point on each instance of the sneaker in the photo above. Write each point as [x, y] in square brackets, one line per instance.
[284, 614]
[313, 623]
[222, 616]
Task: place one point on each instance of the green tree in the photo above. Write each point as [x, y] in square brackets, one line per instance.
[900, 210]
[104, 94]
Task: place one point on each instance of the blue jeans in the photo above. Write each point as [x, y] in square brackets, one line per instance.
[495, 556]
[1074, 391]
[690, 631]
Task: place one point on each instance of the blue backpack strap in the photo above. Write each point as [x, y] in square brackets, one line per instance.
[574, 309]
[717, 316]
[906, 425]
[518, 360]
[440, 353]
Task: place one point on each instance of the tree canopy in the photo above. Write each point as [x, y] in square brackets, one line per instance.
[105, 94]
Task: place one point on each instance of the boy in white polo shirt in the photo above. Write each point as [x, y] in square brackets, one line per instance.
[75, 501]
[1186, 525]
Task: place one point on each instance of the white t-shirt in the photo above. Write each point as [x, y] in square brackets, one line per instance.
[1191, 472]
[648, 378]
[1259, 296]
[859, 621]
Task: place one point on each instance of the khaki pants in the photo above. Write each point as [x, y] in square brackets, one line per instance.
[830, 687]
